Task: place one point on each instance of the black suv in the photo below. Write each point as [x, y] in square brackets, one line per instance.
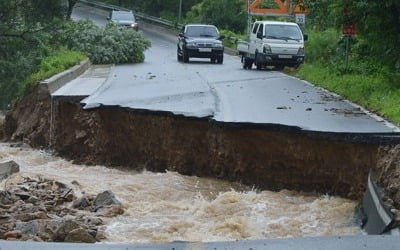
[201, 41]
[123, 18]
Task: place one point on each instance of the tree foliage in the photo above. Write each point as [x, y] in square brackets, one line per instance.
[378, 24]
[225, 14]
[25, 26]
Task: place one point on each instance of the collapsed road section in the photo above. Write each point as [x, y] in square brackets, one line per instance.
[264, 130]
[266, 156]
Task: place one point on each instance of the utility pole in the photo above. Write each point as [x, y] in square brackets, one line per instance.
[248, 19]
[180, 11]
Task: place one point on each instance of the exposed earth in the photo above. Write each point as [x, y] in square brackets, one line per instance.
[266, 157]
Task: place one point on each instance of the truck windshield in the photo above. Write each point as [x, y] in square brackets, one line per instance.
[201, 31]
[282, 32]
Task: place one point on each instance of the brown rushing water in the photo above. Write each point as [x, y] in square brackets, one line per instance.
[164, 207]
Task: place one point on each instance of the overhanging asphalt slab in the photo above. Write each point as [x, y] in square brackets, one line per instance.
[227, 93]
[387, 242]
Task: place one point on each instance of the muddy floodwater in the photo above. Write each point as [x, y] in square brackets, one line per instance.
[164, 207]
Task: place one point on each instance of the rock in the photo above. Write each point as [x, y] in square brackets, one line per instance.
[15, 234]
[80, 235]
[93, 221]
[105, 199]
[59, 185]
[33, 199]
[5, 218]
[80, 134]
[110, 211]
[47, 229]
[7, 169]
[31, 216]
[81, 203]
[68, 195]
[74, 182]
[23, 195]
[4, 198]
[100, 235]
[29, 228]
[64, 229]
[37, 238]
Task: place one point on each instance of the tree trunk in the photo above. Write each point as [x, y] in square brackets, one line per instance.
[71, 4]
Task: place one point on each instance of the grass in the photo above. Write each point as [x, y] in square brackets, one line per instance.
[53, 64]
[376, 92]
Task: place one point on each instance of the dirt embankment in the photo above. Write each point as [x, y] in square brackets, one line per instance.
[268, 158]
[1, 127]
[29, 120]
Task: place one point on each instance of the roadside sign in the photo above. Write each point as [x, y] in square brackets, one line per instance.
[301, 18]
[300, 7]
[349, 29]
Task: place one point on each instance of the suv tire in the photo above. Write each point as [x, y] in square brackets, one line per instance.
[178, 56]
[185, 56]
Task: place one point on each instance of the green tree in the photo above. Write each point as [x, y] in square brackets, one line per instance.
[378, 24]
[24, 31]
[225, 14]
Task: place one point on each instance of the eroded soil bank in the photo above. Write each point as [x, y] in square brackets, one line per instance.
[266, 157]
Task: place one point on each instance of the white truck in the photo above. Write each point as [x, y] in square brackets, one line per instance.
[272, 43]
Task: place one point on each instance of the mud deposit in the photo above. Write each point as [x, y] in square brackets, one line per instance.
[265, 157]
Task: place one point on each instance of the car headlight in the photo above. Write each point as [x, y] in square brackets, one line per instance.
[217, 45]
[134, 25]
[301, 51]
[191, 44]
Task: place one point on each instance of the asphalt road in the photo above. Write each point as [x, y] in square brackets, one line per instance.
[225, 93]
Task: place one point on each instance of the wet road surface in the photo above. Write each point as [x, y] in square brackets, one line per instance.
[225, 93]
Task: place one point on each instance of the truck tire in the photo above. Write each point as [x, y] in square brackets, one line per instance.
[256, 62]
[220, 59]
[247, 62]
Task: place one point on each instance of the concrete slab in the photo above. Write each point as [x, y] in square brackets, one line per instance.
[87, 83]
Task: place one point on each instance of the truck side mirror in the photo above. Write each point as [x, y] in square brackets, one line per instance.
[305, 37]
[259, 35]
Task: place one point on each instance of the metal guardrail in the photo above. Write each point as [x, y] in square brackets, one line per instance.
[143, 16]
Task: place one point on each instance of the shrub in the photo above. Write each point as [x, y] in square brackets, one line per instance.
[322, 46]
[231, 38]
[106, 45]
